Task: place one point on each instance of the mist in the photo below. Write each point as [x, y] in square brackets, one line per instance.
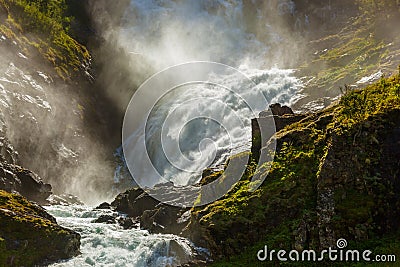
[56, 126]
[141, 38]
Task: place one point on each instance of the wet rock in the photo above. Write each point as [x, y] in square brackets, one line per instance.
[14, 178]
[176, 250]
[104, 206]
[124, 202]
[32, 187]
[64, 200]
[163, 219]
[108, 219]
[141, 204]
[153, 215]
[128, 223]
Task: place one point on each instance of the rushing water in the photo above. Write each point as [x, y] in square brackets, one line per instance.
[163, 33]
[110, 245]
[197, 126]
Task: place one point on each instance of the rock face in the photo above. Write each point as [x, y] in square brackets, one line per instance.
[29, 236]
[14, 178]
[282, 116]
[46, 119]
[64, 200]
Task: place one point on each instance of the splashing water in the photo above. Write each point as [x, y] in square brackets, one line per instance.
[197, 126]
[110, 245]
[165, 33]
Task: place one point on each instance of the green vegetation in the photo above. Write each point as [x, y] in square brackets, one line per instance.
[343, 150]
[29, 236]
[49, 22]
[374, 7]
[362, 45]
[359, 105]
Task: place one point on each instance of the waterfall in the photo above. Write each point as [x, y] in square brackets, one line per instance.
[181, 138]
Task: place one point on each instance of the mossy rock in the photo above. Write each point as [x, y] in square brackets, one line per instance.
[29, 236]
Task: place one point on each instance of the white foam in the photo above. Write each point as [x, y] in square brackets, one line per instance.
[371, 78]
[110, 245]
[165, 33]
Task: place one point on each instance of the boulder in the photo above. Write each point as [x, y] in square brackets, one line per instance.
[108, 219]
[154, 216]
[14, 178]
[103, 206]
[163, 219]
[128, 223]
[142, 203]
[134, 202]
[124, 201]
[29, 236]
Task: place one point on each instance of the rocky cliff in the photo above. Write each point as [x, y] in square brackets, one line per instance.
[42, 119]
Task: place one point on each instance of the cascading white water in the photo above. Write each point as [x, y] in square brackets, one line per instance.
[110, 245]
[199, 125]
[167, 32]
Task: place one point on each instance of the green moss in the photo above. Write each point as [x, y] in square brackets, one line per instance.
[50, 22]
[29, 236]
[210, 178]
